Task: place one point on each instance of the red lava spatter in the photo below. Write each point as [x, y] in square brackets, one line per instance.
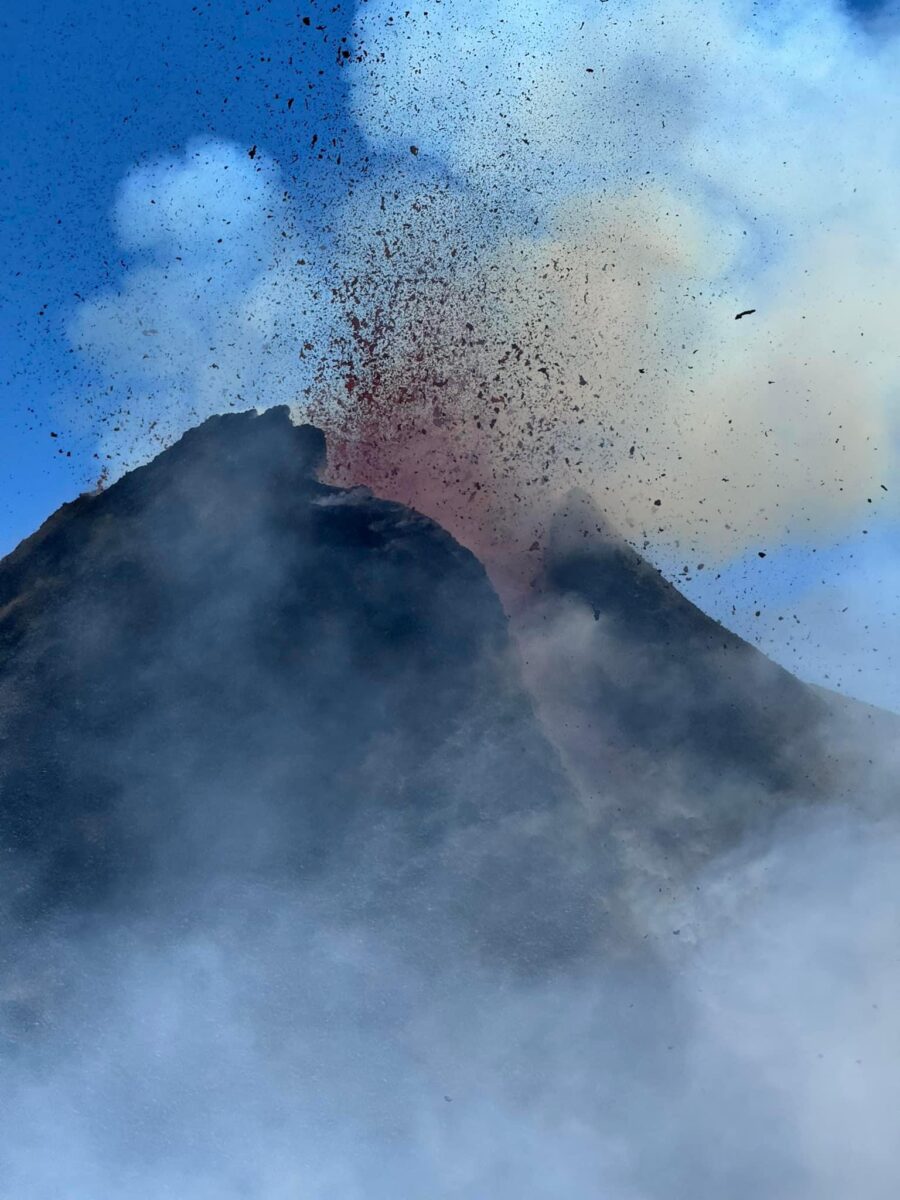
[427, 432]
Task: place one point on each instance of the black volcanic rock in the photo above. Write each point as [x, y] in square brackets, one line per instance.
[220, 665]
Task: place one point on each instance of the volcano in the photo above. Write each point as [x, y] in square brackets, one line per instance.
[220, 664]
[322, 875]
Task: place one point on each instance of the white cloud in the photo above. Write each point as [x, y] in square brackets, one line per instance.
[217, 303]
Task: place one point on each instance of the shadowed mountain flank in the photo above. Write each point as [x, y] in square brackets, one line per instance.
[684, 737]
[222, 665]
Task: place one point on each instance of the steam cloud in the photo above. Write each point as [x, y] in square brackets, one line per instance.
[270, 1050]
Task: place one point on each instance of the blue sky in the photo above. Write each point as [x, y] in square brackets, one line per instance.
[95, 88]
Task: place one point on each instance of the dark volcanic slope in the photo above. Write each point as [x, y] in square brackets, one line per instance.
[674, 679]
[685, 737]
[220, 664]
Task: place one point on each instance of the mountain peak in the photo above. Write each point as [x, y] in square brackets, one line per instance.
[220, 666]
[266, 439]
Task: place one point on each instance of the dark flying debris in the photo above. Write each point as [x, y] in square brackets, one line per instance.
[745, 313]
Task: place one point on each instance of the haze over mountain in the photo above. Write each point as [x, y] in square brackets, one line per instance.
[322, 876]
